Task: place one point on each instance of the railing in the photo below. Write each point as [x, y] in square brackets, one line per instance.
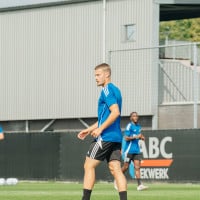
[162, 75]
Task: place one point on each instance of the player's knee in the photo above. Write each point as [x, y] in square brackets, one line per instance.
[137, 168]
[114, 168]
[88, 165]
[85, 166]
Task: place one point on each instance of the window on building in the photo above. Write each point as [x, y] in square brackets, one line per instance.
[130, 32]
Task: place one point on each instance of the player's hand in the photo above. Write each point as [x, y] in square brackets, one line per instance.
[142, 137]
[126, 138]
[82, 135]
[1, 136]
[96, 132]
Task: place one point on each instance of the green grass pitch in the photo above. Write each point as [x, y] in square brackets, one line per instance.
[102, 191]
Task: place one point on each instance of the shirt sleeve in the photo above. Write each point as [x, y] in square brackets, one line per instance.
[1, 130]
[110, 98]
[128, 130]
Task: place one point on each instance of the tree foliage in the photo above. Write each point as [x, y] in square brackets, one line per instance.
[184, 30]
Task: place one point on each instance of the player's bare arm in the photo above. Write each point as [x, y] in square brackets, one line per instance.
[142, 136]
[1, 136]
[129, 138]
[84, 133]
[114, 114]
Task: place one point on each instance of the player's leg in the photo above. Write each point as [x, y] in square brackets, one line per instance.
[115, 169]
[137, 162]
[137, 171]
[127, 160]
[114, 163]
[89, 175]
[90, 164]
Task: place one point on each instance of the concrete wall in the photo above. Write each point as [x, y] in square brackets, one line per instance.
[177, 116]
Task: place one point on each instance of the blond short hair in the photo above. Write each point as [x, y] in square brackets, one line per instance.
[105, 67]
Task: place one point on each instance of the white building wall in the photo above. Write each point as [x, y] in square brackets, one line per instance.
[133, 69]
[48, 56]
[47, 61]
[176, 82]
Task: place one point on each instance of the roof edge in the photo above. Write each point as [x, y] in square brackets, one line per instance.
[41, 5]
[177, 2]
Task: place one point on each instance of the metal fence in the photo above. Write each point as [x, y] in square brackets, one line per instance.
[60, 156]
[162, 81]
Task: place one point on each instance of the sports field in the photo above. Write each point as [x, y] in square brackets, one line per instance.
[102, 191]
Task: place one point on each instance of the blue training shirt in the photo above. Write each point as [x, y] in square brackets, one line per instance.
[132, 146]
[1, 130]
[110, 95]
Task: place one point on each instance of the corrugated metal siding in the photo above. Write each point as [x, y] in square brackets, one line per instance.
[48, 56]
[181, 52]
[47, 60]
[121, 13]
[199, 88]
[176, 82]
[132, 69]
[135, 80]
[21, 4]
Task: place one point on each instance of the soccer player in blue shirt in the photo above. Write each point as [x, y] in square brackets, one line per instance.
[107, 135]
[1, 133]
[131, 148]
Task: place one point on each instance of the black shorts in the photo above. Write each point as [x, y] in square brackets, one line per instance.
[105, 150]
[132, 157]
